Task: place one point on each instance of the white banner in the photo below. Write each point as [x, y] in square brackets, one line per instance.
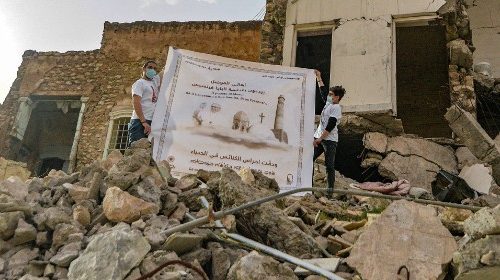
[216, 112]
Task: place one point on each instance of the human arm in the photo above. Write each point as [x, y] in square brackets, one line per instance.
[140, 114]
[321, 86]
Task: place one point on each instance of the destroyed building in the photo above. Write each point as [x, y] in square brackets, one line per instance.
[84, 97]
[403, 63]
[66, 110]
[413, 113]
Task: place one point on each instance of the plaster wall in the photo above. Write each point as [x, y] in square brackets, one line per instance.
[484, 16]
[362, 38]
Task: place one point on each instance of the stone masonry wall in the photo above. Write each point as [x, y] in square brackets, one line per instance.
[460, 48]
[273, 29]
[106, 75]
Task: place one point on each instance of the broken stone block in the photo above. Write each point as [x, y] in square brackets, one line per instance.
[110, 255]
[265, 223]
[24, 233]
[66, 254]
[154, 228]
[420, 172]
[221, 263]
[62, 233]
[54, 216]
[187, 182]
[442, 156]
[18, 263]
[246, 176]
[182, 242]
[8, 223]
[483, 222]
[122, 180]
[147, 190]
[82, 215]
[465, 157]
[49, 270]
[14, 187]
[328, 264]
[460, 54]
[477, 177]
[375, 141]
[467, 261]
[406, 233]
[77, 193]
[257, 267]
[120, 206]
[179, 212]
[114, 157]
[31, 277]
[475, 138]
[10, 204]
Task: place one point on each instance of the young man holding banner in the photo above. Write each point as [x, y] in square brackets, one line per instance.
[326, 136]
[144, 97]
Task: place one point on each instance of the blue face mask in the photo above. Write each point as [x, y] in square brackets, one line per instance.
[329, 99]
[150, 73]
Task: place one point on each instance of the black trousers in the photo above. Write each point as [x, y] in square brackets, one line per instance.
[329, 148]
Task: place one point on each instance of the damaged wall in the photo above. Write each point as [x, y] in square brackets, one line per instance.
[485, 24]
[362, 44]
[104, 76]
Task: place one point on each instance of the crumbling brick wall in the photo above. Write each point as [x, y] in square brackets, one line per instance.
[106, 75]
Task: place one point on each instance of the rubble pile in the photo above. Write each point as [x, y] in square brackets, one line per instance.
[109, 221]
[475, 160]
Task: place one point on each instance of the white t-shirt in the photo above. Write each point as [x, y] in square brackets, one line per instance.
[330, 110]
[148, 91]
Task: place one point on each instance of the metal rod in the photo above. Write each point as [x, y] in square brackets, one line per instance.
[217, 215]
[271, 251]
[283, 256]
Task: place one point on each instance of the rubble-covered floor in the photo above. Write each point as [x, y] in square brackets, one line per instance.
[109, 221]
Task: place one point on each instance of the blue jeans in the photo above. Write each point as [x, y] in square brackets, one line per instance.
[329, 148]
[136, 130]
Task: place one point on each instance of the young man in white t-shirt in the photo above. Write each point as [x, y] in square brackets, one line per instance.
[144, 97]
[326, 136]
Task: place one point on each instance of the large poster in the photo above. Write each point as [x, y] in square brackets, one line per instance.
[216, 112]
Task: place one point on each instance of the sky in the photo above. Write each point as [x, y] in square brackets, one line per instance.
[66, 25]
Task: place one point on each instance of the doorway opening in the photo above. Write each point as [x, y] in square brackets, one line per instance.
[422, 91]
[49, 135]
[314, 52]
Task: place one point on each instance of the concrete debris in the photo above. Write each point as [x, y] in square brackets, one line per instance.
[478, 260]
[120, 206]
[255, 266]
[83, 226]
[329, 264]
[465, 158]
[408, 157]
[110, 255]
[475, 138]
[404, 233]
[460, 53]
[484, 222]
[478, 177]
